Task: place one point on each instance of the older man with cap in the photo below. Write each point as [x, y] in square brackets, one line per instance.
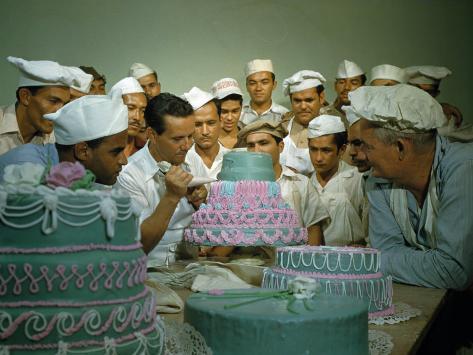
[338, 184]
[306, 91]
[98, 83]
[157, 177]
[134, 98]
[43, 88]
[229, 101]
[206, 155]
[349, 77]
[414, 218]
[260, 84]
[148, 79]
[387, 75]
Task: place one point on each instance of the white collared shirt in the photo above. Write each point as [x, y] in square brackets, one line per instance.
[248, 115]
[144, 181]
[298, 192]
[343, 198]
[198, 167]
[10, 135]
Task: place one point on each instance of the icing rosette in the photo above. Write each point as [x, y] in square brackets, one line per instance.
[29, 174]
[70, 175]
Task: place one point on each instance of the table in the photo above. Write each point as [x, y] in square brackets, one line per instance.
[407, 336]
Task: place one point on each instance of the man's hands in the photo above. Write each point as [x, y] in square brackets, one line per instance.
[177, 180]
[452, 112]
[196, 195]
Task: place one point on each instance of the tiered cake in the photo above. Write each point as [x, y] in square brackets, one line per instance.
[245, 207]
[72, 274]
[340, 270]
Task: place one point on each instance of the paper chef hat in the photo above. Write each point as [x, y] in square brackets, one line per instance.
[402, 107]
[257, 65]
[139, 70]
[388, 72]
[270, 126]
[427, 74]
[84, 80]
[302, 80]
[323, 125]
[347, 69]
[197, 97]
[45, 73]
[224, 87]
[89, 117]
[128, 85]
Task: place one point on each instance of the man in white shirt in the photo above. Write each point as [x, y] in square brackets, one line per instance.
[148, 79]
[206, 155]
[306, 91]
[157, 177]
[134, 98]
[339, 185]
[260, 84]
[230, 102]
[44, 87]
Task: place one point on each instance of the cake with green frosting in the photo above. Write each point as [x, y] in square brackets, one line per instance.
[262, 321]
[343, 271]
[72, 274]
[245, 207]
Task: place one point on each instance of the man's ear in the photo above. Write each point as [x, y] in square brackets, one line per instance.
[82, 151]
[275, 84]
[24, 96]
[281, 146]
[341, 151]
[151, 134]
[322, 97]
[402, 148]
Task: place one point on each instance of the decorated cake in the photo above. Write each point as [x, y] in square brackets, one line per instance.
[72, 273]
[245, 207]
[261, 321]
[340, 270]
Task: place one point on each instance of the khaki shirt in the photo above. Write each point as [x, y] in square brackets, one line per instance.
[248, 115]
[10, 135]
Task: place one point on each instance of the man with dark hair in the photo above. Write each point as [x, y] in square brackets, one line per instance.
[148, 79]
[43, 88]
[158, 179]
[260, 84]
[306, 91]
[349, 77]
[98, 84]
[230, 101]
[205, 158]
[339, 185]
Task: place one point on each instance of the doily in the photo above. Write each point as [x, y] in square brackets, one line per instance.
[183, 339]
[402, 312]
[379, 343]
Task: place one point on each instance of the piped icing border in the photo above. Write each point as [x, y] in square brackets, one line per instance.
[71, 249]
[37, 326]
[328, 276]
[113, 275]
[229, 236]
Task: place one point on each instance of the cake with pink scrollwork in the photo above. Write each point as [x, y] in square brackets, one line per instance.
[245, 207]
[343, 271]
[72, 268]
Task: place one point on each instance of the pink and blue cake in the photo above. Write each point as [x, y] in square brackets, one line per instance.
[245, 207]
[342, 271]
[72, 274]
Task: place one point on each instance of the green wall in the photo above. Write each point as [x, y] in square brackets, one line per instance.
[196, 42]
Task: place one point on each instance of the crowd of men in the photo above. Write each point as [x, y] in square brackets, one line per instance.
[383, 165]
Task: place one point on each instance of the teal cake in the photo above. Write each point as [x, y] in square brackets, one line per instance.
[343, 271]
[245, 208]
[233, 324]
[72, 274]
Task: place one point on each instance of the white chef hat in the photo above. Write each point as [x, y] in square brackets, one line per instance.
[45, 73]
[347, 69]
[84, 80]
[388, 72]
[302, 80]
[402, 108]
[257, 65]
[89, 117]
[323, 125]
[427, 74]
[128, 85]
[224, 87]
[139, 70]
[197, 97]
